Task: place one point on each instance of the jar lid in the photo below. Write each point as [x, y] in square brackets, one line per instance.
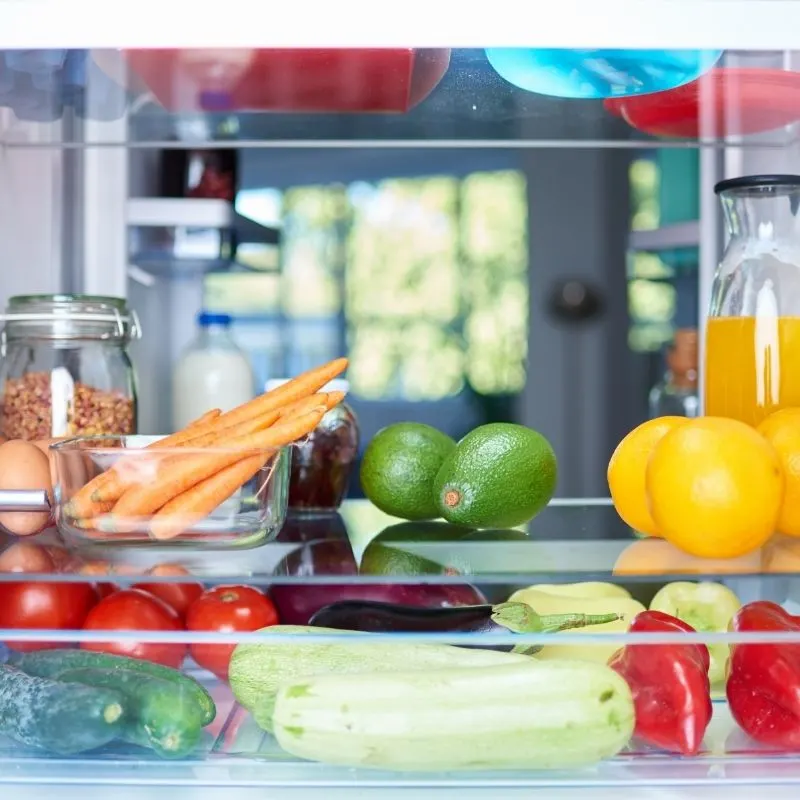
[757, 182]
[336, 385]
[69, 317]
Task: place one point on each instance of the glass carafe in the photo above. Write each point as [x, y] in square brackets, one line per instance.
[753, 329]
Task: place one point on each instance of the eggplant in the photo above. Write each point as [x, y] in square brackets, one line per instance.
[369, 616]
[297, 602]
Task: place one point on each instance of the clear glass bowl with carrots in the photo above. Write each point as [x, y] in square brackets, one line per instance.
[222, 480]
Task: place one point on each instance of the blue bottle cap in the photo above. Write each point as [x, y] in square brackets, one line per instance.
[206, 318]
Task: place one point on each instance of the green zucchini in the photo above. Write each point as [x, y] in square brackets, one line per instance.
[52, 663]
[161, 715]
[59, 717]
[549, 715]
[257, 670]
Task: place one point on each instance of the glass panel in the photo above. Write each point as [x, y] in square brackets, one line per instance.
[274, 97]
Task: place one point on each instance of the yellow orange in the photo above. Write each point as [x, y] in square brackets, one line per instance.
[715, 488]
[626, 472]
[782, 431]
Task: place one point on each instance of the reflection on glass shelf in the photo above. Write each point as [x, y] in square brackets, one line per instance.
[460, 101]
[572, 540]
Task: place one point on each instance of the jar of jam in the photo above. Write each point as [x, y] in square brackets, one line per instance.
[323, 461]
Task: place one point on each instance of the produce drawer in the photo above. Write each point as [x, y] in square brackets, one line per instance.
[363, 555]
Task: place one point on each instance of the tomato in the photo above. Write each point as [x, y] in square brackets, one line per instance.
[99, 568]
[40, 605]
[177, 595]
[135, 610]
[226, 609]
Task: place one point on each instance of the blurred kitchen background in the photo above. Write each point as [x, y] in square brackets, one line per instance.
[465, 285]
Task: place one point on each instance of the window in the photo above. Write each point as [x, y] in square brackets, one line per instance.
[662, 285]
[422, 280]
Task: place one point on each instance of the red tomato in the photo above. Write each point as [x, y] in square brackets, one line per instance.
[227, 609]
[38, 605]
[135, 610]
[177, 595]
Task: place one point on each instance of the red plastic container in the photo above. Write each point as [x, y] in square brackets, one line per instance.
[333, 80]
[739, 102]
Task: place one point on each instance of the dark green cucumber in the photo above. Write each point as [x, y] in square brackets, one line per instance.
[52, 663]
[63, 718]
[161, 715]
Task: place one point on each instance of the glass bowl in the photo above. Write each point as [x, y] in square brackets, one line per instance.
[240, 502]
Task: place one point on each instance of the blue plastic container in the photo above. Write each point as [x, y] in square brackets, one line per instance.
[583, 74]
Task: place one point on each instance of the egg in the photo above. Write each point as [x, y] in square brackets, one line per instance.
[26, 557]
[24, 466]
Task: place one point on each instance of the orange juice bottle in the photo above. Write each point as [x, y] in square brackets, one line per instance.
[752, 343]
[752, 366]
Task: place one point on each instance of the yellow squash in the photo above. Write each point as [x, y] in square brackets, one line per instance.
[548, 602]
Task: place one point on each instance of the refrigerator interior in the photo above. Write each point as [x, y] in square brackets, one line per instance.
[83, 211]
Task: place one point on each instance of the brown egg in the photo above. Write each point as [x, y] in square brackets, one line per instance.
[26, 557]
[24, 466]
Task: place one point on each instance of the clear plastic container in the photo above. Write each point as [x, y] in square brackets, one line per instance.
[65, 367]
[323, 461]
[599, 73]
[213, 372]
[296, 80]
[248, 493]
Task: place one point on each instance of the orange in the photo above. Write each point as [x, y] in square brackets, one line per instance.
[782, 431]
[626, 472]
[715, 487]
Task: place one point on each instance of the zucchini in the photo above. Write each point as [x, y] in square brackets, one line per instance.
[60, 717]
[532, 716]
[257, 670]
[161, 715]
[53, 663]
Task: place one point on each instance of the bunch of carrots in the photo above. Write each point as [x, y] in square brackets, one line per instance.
[224, 451]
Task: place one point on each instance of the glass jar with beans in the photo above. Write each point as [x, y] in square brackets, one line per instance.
[65, 368]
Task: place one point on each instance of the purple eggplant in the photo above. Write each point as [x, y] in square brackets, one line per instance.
[373, 617]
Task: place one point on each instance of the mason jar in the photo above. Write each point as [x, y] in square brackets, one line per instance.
[323, 461]
[65, 368]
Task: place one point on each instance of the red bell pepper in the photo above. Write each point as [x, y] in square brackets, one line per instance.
[763, 685]
[669, 683]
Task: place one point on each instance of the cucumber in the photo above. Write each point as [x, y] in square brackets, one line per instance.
[52, 663]
[532, 716]
[257, 670]
[60, 717]
[161, 715]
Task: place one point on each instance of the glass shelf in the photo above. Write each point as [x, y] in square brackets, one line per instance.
[106, 99]
[572, 540]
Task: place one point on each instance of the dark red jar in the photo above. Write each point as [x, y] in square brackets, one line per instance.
[323, 462]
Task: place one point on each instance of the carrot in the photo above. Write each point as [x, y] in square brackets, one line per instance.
[300, 407]
[190, 507]
[334, 398]
[112, 490]
[248, 426]
[209, 416]
[107, 484]
[181, 472]
[296, 389]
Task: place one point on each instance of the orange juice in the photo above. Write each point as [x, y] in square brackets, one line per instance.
[752, 366]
